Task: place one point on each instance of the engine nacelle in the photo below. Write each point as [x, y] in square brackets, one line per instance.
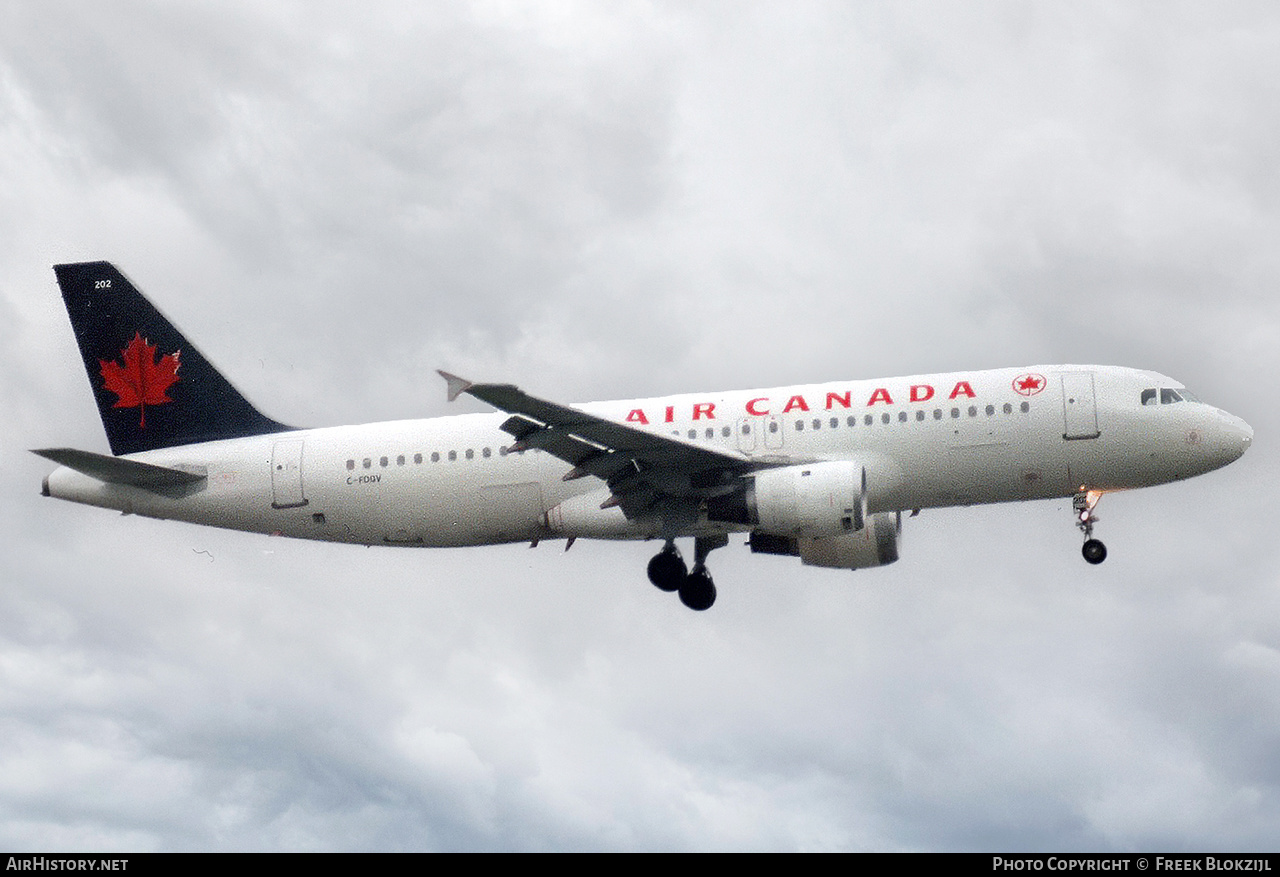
[876, 544]
[812, 500]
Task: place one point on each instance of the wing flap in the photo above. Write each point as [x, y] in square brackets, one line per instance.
[118, 470]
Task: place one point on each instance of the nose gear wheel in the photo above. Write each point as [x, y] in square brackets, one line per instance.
[1093, 550]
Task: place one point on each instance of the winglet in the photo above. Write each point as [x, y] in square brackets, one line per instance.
[457, 385]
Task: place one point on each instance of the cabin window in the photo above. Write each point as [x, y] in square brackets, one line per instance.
[711, 433]
[902, 417]
[502, 450]
[417, 458]
[937, 414]
[383, 462]
[817, 424]
[799, 425]
[693, 433]
[851, 421]
[453, 455]
[367, 463]
[471, 455]
[486, 453]
[868, 420]
[834, 422]
[400, 460]
[1025, 407]
[351, 464]
[991, 409]
[435, 456]
[746, 429]
[1008, 409]
[773, 426]
[973, 410]
[919, 415]
[955, 412]
[884, 418]
[724, 431]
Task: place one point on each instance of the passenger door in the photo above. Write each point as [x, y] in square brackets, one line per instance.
[286, 475]
[1079, 407]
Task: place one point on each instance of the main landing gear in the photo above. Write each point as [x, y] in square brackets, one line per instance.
[667, 571]
[1094, 551]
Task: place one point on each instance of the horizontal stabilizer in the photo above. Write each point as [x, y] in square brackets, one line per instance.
[116, 470]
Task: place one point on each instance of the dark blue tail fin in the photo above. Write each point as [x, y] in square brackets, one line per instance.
[154, 390]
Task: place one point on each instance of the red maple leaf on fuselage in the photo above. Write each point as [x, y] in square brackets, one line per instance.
[142, 380]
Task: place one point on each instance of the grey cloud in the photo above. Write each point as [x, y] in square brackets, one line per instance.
[614, 202]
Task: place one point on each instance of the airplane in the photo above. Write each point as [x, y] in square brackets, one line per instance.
[823, 472]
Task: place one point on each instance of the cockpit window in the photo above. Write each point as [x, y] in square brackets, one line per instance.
[1166, 396]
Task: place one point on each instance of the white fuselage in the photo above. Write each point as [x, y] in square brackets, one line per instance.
[925, 441]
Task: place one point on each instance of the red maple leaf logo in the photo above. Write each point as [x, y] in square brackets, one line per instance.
[1028, 385]
[142, 380]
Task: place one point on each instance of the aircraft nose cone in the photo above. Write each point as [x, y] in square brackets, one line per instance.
[1239, 436]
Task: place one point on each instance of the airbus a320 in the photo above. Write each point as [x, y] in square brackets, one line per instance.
[823, 472]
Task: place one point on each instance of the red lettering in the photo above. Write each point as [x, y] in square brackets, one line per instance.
[796, 402]
[880, 395]
[751, 406]
[671, 413]
[832, 398]
[704, 409]
[637, 416]
[962, 389]
[921, 392]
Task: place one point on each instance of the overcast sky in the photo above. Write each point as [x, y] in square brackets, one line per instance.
[609, 201]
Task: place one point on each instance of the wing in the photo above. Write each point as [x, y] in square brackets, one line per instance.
[645, 472]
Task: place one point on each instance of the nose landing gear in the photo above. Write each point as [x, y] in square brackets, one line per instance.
[667, 571]
[1093, 549]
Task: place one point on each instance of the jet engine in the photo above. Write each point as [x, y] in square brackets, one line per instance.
[876, 544]
[815, 511]
[818, 499]
[814, 499]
